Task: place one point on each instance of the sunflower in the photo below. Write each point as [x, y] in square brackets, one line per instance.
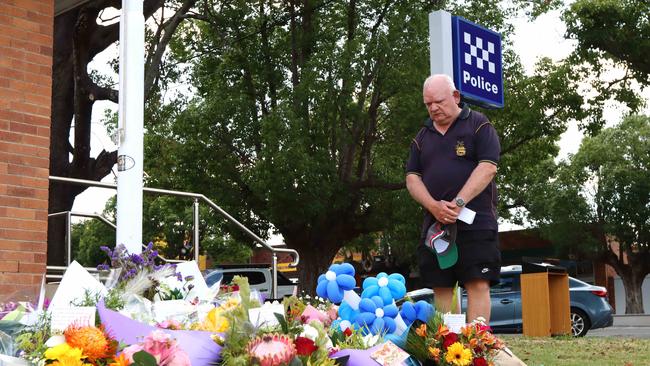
[95, 343]
[458, 355]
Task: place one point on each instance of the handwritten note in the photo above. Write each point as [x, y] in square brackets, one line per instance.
[62, 317]
[454, 321]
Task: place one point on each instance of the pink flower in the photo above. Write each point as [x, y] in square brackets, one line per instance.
[162, 347]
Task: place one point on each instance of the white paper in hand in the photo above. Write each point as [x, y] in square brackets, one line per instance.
[466, 215]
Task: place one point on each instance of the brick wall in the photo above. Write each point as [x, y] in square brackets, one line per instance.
[25, 99]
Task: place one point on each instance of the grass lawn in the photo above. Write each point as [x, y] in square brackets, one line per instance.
[592, 351]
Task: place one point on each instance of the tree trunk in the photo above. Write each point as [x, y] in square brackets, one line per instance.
[633, 293]
[315, 259]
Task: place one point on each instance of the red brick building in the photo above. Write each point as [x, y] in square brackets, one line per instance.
[26, 31]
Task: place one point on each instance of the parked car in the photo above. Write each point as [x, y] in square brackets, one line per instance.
[589, 306]
[259, 278]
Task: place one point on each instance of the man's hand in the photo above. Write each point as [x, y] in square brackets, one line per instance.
[454, 207]
[443, 211]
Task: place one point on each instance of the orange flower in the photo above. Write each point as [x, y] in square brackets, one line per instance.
[473, 343]
[120, 361]
[94, 342]
[421, 330]
[467, 331]
[442, 331]
[434, 352]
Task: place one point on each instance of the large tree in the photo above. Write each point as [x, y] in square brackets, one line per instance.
[79, 36]
[598, 204]
[304, 112]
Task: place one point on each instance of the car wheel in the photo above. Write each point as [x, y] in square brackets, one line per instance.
[580, 323]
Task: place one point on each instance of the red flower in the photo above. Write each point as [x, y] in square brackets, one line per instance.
[480, 362]
[483, 328]
[305, 346]
[347, 332]
[450, 339]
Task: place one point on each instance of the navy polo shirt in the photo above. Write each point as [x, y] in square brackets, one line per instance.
[445, 162]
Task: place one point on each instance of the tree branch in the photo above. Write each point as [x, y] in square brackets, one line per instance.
[167, 29]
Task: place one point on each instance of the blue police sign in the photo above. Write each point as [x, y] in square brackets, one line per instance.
[477, 63]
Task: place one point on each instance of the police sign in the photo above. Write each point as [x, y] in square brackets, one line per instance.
[477, 63]
[469, 52]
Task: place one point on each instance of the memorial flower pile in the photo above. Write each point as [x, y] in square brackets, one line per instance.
[162, 317]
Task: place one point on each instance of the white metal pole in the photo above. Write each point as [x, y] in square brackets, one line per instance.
[440, 43]
[130, 127]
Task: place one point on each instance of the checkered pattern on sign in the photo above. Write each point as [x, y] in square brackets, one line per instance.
[478, 54]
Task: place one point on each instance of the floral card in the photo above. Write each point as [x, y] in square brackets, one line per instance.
[388, 354]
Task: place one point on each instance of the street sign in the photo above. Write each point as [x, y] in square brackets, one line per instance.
[477, 63]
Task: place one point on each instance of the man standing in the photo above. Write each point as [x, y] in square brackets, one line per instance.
[452, 165]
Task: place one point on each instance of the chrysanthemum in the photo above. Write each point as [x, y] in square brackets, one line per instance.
[94, 342]
[458, 355]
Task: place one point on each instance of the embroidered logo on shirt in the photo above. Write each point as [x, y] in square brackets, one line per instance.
[460, 148]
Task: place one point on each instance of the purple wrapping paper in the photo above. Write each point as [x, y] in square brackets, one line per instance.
[202, 350]
[358, 357]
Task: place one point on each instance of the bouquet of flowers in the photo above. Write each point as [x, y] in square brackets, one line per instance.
[433, 343]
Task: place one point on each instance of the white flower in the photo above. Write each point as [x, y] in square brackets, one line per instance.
[370, 340]
[312, 333]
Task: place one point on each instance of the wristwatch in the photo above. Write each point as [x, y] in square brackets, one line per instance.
[459, 202]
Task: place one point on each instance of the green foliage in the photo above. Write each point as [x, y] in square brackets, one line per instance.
[143, 358]
[618, 30]
[31, 340]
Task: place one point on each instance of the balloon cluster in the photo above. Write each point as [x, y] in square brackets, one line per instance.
[375, 312]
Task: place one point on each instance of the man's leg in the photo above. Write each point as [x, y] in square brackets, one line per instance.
[443, 297]
[478, 299]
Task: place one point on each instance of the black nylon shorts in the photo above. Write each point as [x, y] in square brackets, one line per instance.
[479, 257]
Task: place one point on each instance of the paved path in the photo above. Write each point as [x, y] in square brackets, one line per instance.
[633, 332]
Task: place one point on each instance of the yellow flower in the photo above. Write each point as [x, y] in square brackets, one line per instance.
[64, 355]
[230, 304]
[421, 330]
[215, 322]
[458, 355]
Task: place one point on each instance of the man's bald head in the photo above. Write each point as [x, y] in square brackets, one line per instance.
[440, 81]
[441, 99]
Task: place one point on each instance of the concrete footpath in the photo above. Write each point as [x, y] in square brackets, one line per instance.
[633, 326]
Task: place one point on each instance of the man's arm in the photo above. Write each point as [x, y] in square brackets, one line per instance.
[439, 209]
[478, 180]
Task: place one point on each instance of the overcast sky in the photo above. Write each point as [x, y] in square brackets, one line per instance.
[532, 40]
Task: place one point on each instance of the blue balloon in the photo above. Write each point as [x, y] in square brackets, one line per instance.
[388, 287]
[333, 284]
[411, 312]
[375, 317]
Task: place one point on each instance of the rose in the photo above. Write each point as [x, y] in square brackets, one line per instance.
[305, 346]
[450, 339]
[480, 362]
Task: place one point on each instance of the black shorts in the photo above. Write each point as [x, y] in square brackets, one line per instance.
[479, 257]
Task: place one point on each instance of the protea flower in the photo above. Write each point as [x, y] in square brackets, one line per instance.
[95, 343]
[272, 350]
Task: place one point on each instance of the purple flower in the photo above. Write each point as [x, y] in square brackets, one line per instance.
[103, 267]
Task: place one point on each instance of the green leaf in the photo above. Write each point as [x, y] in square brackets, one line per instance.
[283, 322]
[143, 358]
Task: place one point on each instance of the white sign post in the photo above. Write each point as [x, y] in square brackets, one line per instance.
[130, 127]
